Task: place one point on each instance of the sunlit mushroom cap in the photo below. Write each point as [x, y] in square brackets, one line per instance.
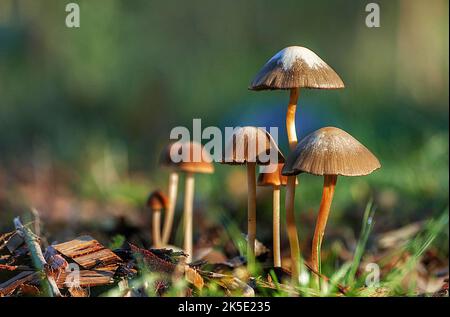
[330, 151]
[274, 178]
[295, 67]
[251, 145]
[157, 200]
[193, 158]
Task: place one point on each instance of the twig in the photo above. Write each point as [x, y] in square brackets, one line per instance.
[37, 221]
[38, 258]
[7, 267]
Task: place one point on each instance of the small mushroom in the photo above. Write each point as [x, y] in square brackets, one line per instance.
[247, 147]
[329, 152]
[165, 160]
[293, 68]
[157, 201]
[275, 180]
[190, 165]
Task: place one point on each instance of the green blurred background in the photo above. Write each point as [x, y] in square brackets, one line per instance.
[84, 112]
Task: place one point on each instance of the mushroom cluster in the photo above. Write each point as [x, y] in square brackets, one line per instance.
[246, 148]
[290, 69]
[327, 152]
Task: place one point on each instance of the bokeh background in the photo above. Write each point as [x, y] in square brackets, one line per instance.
[85, 112]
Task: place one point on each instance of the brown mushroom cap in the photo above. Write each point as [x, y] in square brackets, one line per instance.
[238, 152]
[204, 166]
[295, 67]
[273, 179]
[157, 200]
[330, 151]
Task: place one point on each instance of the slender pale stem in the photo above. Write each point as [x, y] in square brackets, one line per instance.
[329, 185]
[156, 228]
[276, 227]
[290, 189]
[251, 214]
[292, 229]
[188, 215]
[168, 219]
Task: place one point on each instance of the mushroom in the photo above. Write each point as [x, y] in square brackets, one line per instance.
[329, 152]
[194, 160]
[292, 68]
[165, 160]
[248, 146]
[157, 201]
[275, 179]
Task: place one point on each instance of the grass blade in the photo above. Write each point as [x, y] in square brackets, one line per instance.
[367, 226]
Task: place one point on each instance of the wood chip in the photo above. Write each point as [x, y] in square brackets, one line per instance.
[89, 253]
[86, 278]
[78, 292]
[10, 286]
[29, 290]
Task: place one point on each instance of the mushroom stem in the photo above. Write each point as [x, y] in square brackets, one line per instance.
[324, 210]
[188, 215]
[290, 117]
[168, 219]
[292, 229]
[290, 188]
[276, 227]
[251, 214]
[156, 228]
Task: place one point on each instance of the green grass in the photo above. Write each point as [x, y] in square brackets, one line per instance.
[366, 229]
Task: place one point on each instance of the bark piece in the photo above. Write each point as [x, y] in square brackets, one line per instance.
[152, 261]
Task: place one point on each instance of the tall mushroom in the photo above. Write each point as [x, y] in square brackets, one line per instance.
[251, 146]
[165, 160]
[194, 160]
[329, 152]
[157, 201]
[275, 180]
[293, 68]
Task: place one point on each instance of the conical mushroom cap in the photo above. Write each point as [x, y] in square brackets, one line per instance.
[157, 200]
[295, 67]
[273, 179]
[200, 162]
[251, 145]
[330, 151]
